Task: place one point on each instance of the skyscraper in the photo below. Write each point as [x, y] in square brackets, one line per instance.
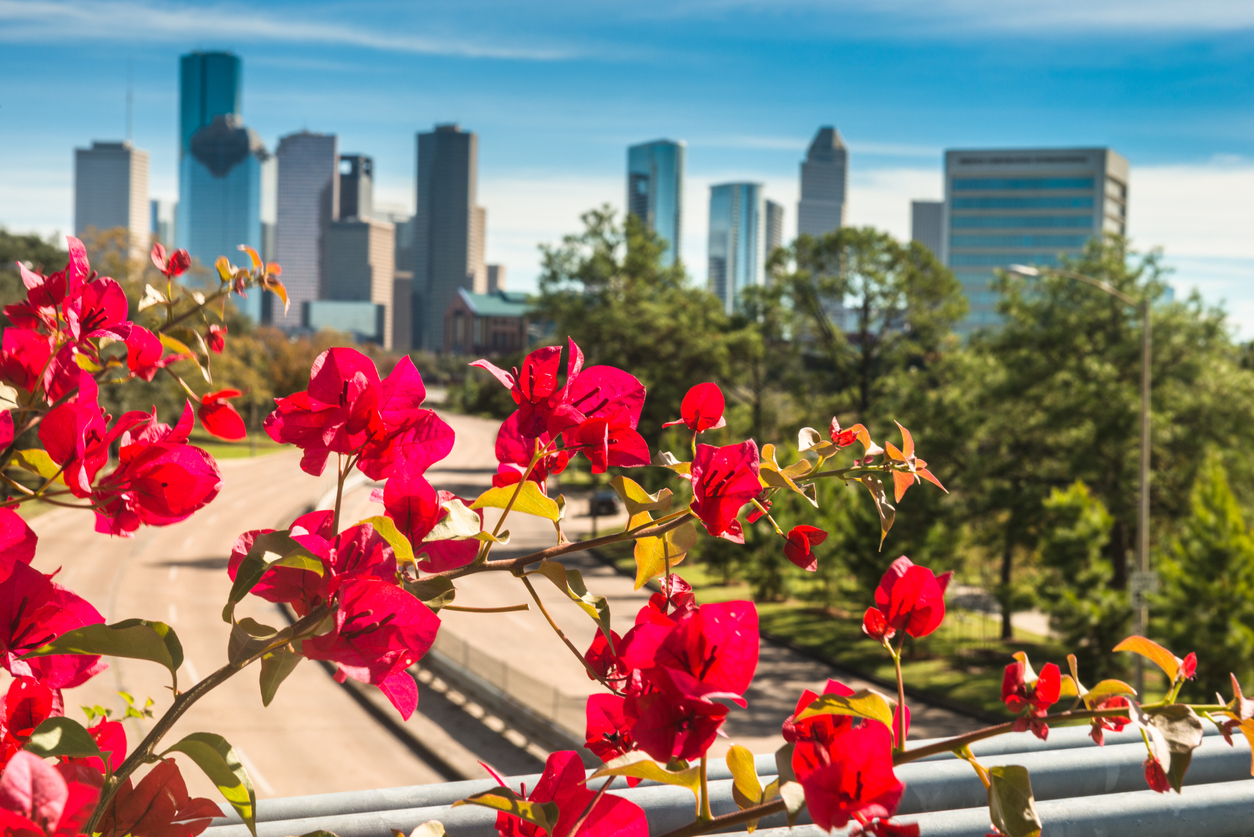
[448, 230]
[774, 226]
[210, 85]
[925, 224]
[824, 184]
[1025, 206]
[360, 280]
[221, 197]
[308, 200]
[655, 190]
[111, 190]
[356, 186]
[737, 240]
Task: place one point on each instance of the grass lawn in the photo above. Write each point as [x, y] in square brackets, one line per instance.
[219, 449]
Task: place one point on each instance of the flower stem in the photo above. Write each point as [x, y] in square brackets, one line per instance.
[721, 823]
[505, 609]
[587, 812]
[561, 634]
[901, 696]
[706, 814]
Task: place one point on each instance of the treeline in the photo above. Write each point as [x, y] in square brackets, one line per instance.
[1032, 426]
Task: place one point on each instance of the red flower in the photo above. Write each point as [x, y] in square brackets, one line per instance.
[35, 611]
[875, 625]
[216, 338]
[17, 542]
[155, 484]
[25, 356]
[912, 598]
[801, 540]
[850, 775]
[702, 409]
[608, 444]
[723, 480]
[1188, 666]
[535, 384]
[608, 728]
[36, 801]
[1023, 691]
[26, 705]
[562, 783]
[379, 631]
[159, 806]
[74, 435]
[1113, 724]
[514, 452]
[176, 265]
[668, 728]
[219, 418]
[411, 438]
[144, 353]
[820, 728]
[1155, 776]
[416, 507]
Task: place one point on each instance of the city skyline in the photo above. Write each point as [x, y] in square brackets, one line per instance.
[557, 94]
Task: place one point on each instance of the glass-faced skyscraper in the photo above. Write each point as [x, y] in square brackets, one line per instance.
[308, 200]
[1025, 206]
[824, 184]
[655, 190]
[737, 240]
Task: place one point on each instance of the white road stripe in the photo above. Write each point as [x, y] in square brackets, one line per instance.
[174, 571]
[254, 773]
[174, 613]
[191, 671]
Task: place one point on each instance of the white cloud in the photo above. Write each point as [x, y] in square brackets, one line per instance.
[149, 20]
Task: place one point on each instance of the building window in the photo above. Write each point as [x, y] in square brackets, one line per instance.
[997, 183]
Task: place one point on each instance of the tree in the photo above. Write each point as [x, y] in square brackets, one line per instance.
[1207, 599]
[866, 304]
[35, 252]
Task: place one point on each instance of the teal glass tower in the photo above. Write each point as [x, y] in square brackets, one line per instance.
[737, 243]
[655, 190]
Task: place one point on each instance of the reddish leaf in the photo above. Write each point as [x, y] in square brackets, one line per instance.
[159, 806]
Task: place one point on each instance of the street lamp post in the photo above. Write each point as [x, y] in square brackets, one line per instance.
[1143, 584]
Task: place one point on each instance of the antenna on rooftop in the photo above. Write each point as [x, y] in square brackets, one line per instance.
[130, 99]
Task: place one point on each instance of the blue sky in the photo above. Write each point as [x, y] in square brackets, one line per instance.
[556, 90]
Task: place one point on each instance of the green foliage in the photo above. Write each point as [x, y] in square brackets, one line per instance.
[35, 252]
[1088, 616]
[1207, 599]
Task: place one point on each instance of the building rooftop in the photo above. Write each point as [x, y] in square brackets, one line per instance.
[498, 304]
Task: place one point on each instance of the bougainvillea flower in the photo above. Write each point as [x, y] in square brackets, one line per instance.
[410, 438]
[416, 507]
[912, 597]
[98, 307]
[819, 728]
[562, 783]
[159, 806]
[709, 652]
[675, 601]
[602, 660]
[608, 730]
[379, 630]
[144, 352]
[843, 438]
[35, 611]
[301, 589]
[849, 776]
[597, 392]
[156, 485]
[1188, 666]
[885, 828]
[760, 508]
[25, 706]
[533, 385]
[514, 452]
[37, 801]
[701, 409]
[74, 436]
[178, 262]
[607, 444]
[24, 357]
[219, 418]
[668, 728]
[1023, 691]
[110, 738]
[17, 542]
[800, 545]
[1115, 724]
[216, 338]
[875, 625]
[1155, 776]
[724, 479]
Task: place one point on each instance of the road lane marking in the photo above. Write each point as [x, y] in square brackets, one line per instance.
[174, 571]
[174, 613]
[253, 773]
[191, 671]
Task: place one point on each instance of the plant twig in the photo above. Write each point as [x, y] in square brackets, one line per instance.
[557, 629]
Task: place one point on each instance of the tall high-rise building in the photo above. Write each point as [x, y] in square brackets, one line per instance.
[448, 230]
[111, 190]
[737, 240]
[774, 228]
[356, 186]
[220, 204]
[360, 277]
[1025, 206]
[655, 190]
[160, 213]
[210, 85]
[824, 184]
[307, 201]
[925, 224]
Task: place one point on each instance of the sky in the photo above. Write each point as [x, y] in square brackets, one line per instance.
[557, 90]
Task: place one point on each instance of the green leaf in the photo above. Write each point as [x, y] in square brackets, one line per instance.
[883, 507]
[268, 550]
[175, 345]
[683, 537]
[540, 814]
[218, 760]
[459, 524]
[435, 592]
[275, 667]
[571, 583]
[1182, 730]
[62, 737]
[637, 500]
[531, 500]
[638, 765]
[249, 636]
[1153, 652]
[666, 459]
[786, 785]
[772, 476]
[37, 461]
[1010, 803]
[864, 703]
[1107, 689]
[387, 530]
[135, 639]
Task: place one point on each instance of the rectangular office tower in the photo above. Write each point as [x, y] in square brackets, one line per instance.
[307, 201]
[359, 283]
[824, 184]
[737, 240]
[1029, 206]
[448, 230]
[925, 224]
[356, 186]
[655, 190]
[111, 190]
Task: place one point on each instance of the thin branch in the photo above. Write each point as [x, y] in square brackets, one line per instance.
[735, 818]
[561, 634]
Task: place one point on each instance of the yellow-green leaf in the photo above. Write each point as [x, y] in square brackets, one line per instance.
[809, 439]
[61, 736]
[540, 814]
[746, 786]
[37, 461]
[883, 507]
[864, 703]
[152, 297]
[638, 765]
[1010, 804]
[1153, 652]
[221, 764]
[1107, 689]
[571, 583]
[637, 500]
[531, 500]
[459, 524]
[226, 270]
[276, 287]
[400, 544]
